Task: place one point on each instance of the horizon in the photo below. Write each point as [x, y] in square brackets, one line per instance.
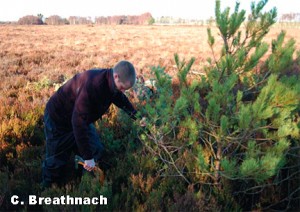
[186, 9]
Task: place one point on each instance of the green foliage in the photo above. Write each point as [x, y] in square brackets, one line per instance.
[247, 122]
[229, 25]
[44, 83]
[88, 187]
[151, 21]
[282, 56]
[183, 68]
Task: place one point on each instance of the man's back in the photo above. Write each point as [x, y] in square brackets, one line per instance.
[89, 93]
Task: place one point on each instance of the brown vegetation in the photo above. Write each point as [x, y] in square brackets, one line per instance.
[67, 49]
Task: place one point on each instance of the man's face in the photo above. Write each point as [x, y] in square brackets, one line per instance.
[121, 86]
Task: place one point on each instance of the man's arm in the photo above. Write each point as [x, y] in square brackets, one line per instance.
[81, 126]
[121, 101]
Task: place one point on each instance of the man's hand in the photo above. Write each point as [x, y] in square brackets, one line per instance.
[89, 164]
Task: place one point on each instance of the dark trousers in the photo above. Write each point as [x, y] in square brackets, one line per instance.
[60, 143]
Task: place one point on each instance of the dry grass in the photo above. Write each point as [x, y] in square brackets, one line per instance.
[68, 49]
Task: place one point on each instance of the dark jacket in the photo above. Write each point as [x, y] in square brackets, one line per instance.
[84, 99]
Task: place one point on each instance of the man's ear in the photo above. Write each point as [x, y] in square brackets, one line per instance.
[116, 76]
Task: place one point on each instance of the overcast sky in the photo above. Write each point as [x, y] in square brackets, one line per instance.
[12, 10]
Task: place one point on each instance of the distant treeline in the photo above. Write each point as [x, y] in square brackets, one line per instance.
[143, 19]
[290, 17]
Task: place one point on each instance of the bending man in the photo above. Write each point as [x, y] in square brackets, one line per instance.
[72, 110]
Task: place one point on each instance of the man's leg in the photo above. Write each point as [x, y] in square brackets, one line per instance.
[59, 145]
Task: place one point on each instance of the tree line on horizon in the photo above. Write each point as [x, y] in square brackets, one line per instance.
[143, 19]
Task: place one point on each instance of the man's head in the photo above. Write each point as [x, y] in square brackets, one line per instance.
[124, 75]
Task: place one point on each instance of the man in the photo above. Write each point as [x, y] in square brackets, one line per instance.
[72, 110]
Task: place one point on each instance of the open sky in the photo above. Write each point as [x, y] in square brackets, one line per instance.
[12, 10]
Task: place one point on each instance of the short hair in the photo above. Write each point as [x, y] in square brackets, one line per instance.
[126, 72]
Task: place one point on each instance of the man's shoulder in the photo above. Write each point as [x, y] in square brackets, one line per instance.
[99, 70]
[98, 78]
[97, 74]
